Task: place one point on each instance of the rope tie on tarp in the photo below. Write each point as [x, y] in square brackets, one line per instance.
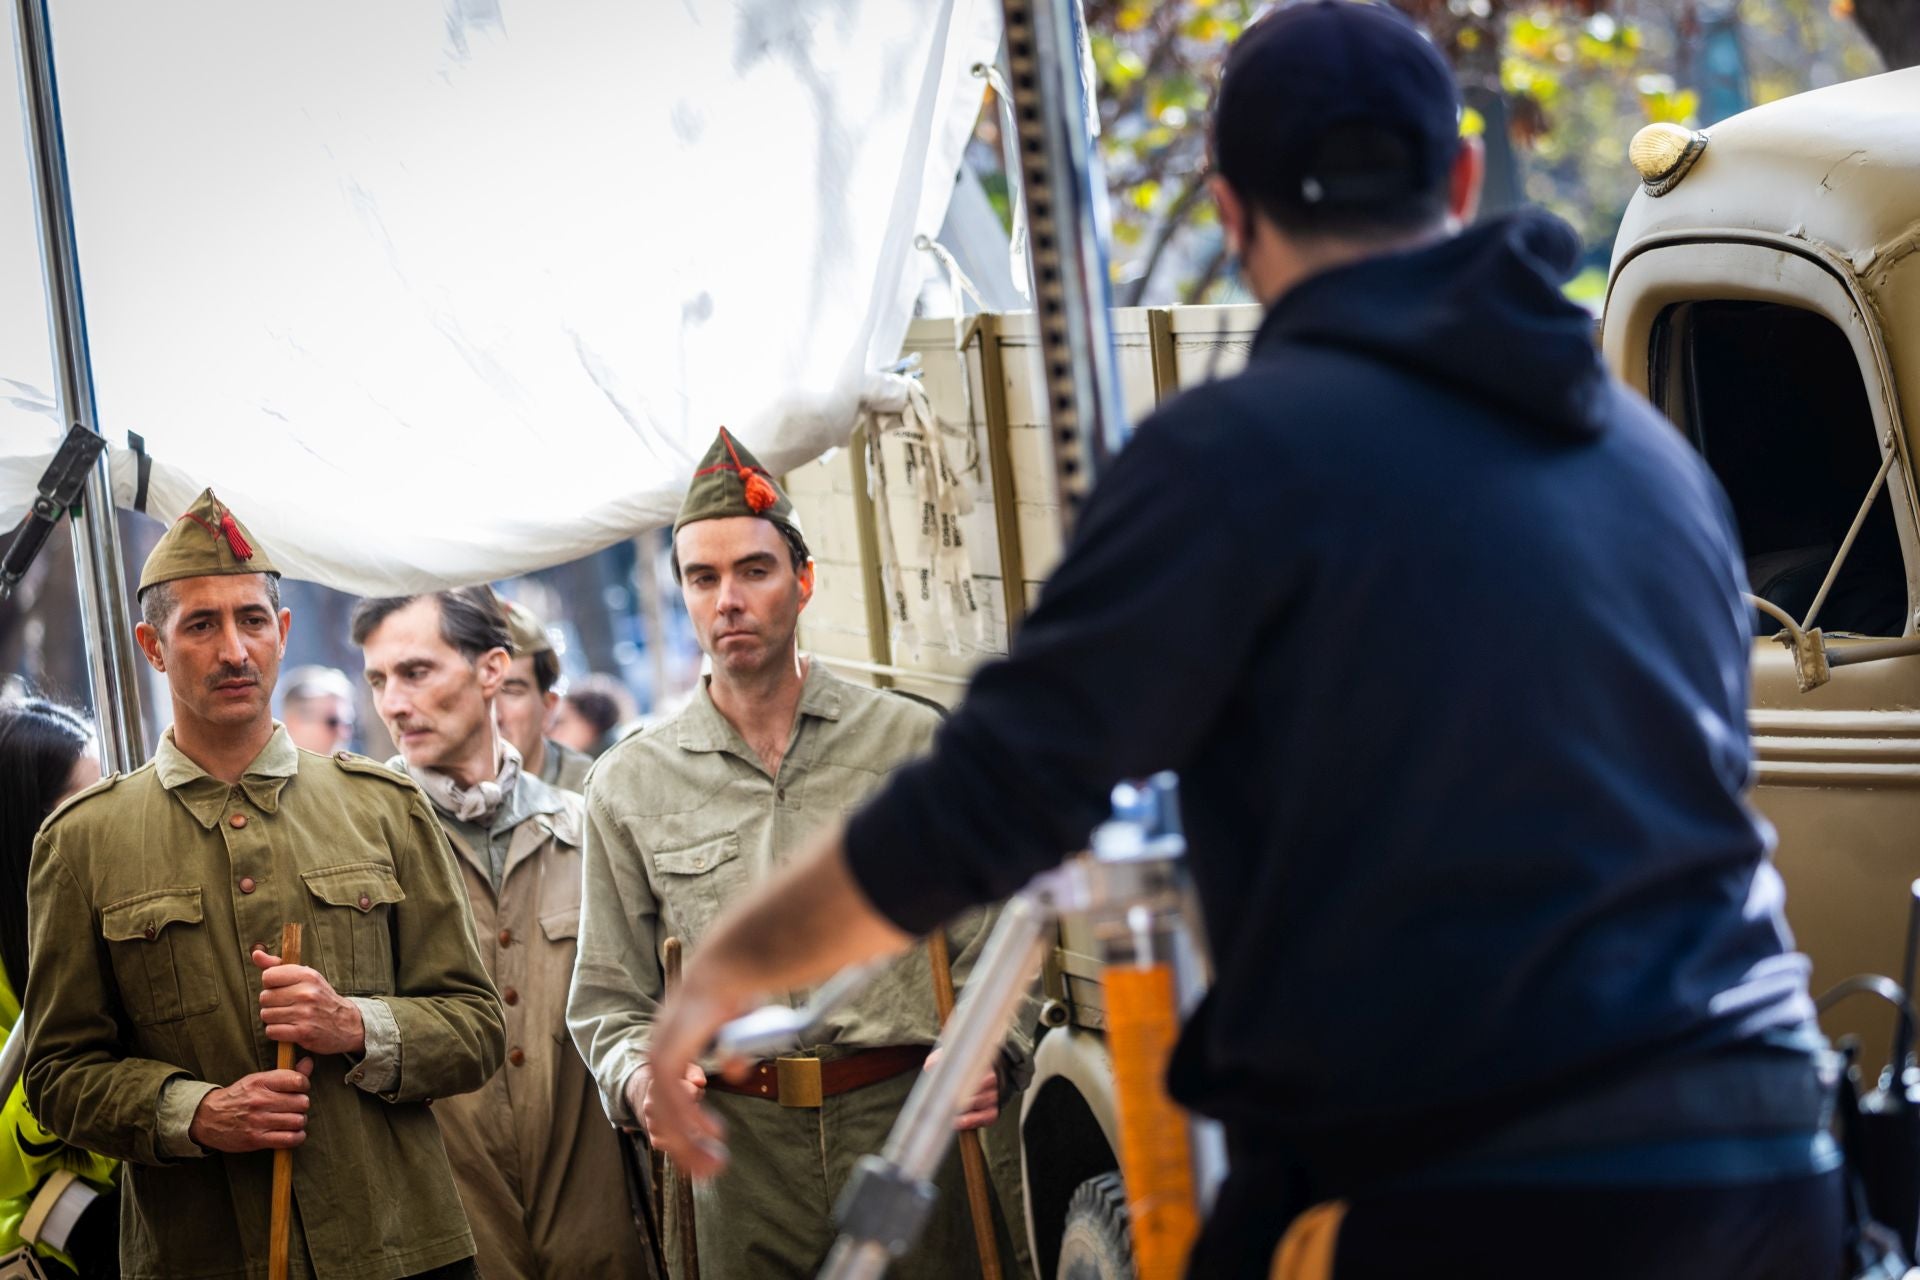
[906, 455]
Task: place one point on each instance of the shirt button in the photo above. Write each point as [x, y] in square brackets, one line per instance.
[150, 932]
[246, 884]
[237, 821]
[780, 793]
[506, 937]
[510, 996]
[518, 1057]
[365, 902]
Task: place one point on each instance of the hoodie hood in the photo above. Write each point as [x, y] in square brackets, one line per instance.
[1448, 310]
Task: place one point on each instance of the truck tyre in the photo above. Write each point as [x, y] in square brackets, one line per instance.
[1096, 1243]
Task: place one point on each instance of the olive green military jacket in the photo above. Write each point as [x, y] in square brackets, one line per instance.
[683, 818]
[565, 768]
[147, 895]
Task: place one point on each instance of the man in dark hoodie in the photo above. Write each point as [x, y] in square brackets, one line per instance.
[1441, 628]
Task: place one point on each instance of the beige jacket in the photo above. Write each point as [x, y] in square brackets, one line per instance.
[537, 1163]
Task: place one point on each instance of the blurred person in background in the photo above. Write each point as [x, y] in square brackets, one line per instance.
[591, 714]
[317, 708]
[526, 702]
[47, 755]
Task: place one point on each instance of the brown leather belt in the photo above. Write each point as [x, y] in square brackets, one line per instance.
[807, 1082]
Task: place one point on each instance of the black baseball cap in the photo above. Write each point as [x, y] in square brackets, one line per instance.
[1306, 80]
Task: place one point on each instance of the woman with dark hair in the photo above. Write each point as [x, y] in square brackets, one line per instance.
[47, 755]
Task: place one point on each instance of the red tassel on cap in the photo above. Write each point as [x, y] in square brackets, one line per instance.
[760, 494]
[241, 551]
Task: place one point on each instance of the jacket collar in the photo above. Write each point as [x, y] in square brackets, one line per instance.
[703, 728]
[206, 796]
[532, 814]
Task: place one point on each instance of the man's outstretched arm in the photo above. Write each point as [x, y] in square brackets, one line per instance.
[805, 923]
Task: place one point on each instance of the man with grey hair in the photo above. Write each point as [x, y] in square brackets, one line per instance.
[316, 705]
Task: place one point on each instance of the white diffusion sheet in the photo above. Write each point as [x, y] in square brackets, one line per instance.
[439, 292]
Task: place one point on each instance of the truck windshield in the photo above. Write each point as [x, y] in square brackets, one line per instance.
[1773, 397]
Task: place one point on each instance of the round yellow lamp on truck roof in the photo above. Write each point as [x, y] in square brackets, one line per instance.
[1663, 154]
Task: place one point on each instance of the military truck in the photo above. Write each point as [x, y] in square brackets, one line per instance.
[1764, 292]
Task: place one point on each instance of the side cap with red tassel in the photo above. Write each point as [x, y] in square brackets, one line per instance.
[731, 482]
[207, 540]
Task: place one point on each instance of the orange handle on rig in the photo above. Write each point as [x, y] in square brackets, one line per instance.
[280, 1225]
[1156, 1155]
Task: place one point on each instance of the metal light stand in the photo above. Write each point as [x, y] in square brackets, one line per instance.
[98, 561]
[1133, 891]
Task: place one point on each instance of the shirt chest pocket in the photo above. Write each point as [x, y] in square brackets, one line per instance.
[352, 916]
[561, 930]
[162, 957]
[697, 882]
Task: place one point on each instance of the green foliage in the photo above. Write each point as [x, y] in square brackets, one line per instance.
[1578, 78]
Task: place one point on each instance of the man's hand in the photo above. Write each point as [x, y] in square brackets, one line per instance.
[806, 921]
[983, 1108]
[301, 1007]
[640, 1094]
[261, 1112]
[676, 1122]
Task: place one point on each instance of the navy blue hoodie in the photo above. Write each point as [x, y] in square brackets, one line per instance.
[1441, 628]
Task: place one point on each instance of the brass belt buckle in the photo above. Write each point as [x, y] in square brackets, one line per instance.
[799, 1080]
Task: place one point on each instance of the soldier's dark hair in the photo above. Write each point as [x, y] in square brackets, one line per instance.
[546, 670]
[158, 602]
[471, 619]
[39, 743]
[796, 549]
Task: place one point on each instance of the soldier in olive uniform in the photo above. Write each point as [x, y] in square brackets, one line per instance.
[155, 1005]
[537, 1164]
[690, 813]
[526, 701]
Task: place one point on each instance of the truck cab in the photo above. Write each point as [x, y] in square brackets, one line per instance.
[1765, 295]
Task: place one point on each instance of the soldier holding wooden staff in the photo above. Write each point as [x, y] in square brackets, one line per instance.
[155, 1006]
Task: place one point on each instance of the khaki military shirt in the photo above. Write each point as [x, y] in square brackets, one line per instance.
[147, 896]
[683, 817]
[537, 1163]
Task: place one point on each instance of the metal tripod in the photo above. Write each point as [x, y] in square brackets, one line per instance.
[1132, 890]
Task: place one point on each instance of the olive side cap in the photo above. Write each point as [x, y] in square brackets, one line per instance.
[731, 482]
[528, 633]
[208, 540]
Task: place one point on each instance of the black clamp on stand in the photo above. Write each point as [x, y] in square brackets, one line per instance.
[1131, 887]
[883, 1205]
[60, 488]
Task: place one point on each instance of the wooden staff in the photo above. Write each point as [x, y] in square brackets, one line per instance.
[681, 1184]
[281, 1223]
[973, 1160]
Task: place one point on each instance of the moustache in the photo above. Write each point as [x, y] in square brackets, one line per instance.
[229, 672]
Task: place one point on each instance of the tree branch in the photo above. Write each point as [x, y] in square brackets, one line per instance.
[1176, 218]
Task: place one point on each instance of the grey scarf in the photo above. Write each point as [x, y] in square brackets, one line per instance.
[476, 804]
